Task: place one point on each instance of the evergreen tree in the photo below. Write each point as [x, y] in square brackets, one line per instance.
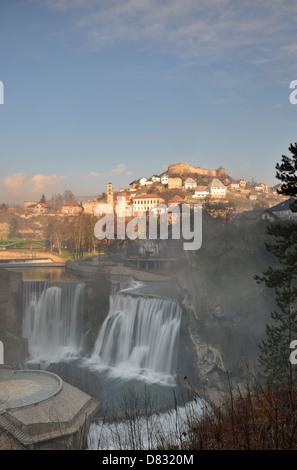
[43, 199]
[287, 173]
[275, 351]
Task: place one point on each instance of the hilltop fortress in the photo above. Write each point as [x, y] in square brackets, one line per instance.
[185, 168]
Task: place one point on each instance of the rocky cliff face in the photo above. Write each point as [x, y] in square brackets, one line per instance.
[225, 310]
[97, 306]
[11, 298]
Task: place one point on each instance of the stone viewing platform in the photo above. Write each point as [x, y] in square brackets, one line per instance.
[41, 411]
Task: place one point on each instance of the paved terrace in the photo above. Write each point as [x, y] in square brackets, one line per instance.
[42, 411]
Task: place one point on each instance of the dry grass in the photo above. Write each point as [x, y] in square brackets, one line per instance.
[258, 419]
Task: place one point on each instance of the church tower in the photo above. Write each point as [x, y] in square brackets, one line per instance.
[110, 194]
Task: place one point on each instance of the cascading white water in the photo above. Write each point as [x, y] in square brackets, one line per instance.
[51, 321]
[140, 336]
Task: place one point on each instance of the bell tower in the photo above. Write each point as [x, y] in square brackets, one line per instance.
[110, 194]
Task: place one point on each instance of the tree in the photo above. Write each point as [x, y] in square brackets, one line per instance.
[14, 228]
[275, 351]
[43, 199]
[56, 202]
[68, 195]
[287, 173]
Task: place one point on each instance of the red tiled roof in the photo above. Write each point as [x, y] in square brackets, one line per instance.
[148, 196]
[176, 199]
[71, 203]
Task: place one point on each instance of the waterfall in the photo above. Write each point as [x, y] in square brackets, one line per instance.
[139, 337]
[52, 319]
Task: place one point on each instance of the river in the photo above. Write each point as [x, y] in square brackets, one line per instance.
[135, 354]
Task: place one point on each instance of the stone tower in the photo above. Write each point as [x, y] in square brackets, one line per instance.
[110, 194]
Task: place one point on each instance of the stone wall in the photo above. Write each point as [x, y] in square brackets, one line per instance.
[184, 168]
[11, 302]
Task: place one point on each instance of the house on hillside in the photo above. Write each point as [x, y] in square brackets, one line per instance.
[71, 208]
[142, 181]
[156, 179]
[281, 211]
[201, 192]
[235, 184]
[175, 183]
[217, 188]
[134, 185]
[190, 183]
[41, 208]
[164, 179]
[262, 187]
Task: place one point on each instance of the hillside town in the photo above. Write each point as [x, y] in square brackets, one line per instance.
[219, 194]
[189, 184]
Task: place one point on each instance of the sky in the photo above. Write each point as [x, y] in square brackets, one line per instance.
[113, 90]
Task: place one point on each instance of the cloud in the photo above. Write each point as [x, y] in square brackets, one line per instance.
[18, 183]
[209, 30]
[115, 171]
[39, 183]
[14, 183]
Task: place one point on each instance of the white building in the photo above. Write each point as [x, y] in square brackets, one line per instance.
[142, 181]
[146, 202]
[201, 192]
[217, 188]
[164, 179]
[190, 183]
[156, 179]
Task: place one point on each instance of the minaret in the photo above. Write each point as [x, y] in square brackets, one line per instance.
[110, 194]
